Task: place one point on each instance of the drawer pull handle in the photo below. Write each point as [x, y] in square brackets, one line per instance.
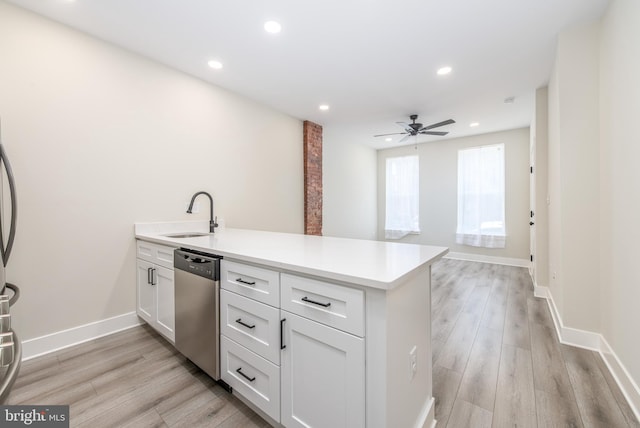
[250, 379]
[282, 345]
[324, 305]
[242, 281]
[239, 321]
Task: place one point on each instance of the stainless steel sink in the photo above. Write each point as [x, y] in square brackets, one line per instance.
[186, 234]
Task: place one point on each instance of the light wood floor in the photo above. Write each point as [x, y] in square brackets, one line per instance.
[130, 379]
[496, 363]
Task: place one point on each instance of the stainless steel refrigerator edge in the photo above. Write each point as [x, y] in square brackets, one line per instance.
[10, 346]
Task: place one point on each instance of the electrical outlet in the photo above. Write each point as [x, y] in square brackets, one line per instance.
[413, 362]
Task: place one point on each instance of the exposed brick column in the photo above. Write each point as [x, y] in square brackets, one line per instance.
[312, 178]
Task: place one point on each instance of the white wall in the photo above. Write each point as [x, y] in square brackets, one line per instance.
[439, 191]
[539, 136]
[574, 178]
[100, 138]
[620, 182]
[349, 185]
[594, 100]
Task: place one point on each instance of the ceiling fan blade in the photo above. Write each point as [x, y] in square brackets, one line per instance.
[403, 139]
[405, 126]
[437, 125]
[384, 135]
[433, 133]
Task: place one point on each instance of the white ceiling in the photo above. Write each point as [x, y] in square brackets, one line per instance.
[373, 61]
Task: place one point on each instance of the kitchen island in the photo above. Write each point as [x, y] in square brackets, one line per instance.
[353, 319]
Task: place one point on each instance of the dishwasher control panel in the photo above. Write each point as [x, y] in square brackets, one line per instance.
[197, 263]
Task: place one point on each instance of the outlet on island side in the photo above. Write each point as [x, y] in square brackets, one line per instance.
[413, 362]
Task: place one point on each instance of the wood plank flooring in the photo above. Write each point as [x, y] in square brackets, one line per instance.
[130, 379]
[496, 363]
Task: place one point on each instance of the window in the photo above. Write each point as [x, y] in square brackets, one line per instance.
[481, 197]
[402, 215]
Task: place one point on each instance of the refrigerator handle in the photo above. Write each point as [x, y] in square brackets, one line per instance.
[12, 191]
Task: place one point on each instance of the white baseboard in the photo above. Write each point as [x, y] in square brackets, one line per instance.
[540, 291]
[626, 383]
[595, 342]
[63, 339]
[488, 259]
[425, 418]
[572, 336]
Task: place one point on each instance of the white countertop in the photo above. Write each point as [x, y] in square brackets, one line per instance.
[377, 264]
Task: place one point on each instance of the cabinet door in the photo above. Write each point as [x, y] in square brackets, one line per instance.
[165, 302]
[253, 282]
[252, 324]
[256, 379]
[323, 376]
[155, 253]
[146, 294]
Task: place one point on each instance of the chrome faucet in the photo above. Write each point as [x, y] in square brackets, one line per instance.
[212, 223]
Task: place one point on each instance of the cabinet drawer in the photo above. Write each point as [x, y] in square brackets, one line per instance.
[256, 283]
[334, 305]
[252, 324]
[154, 253]
[255, 378]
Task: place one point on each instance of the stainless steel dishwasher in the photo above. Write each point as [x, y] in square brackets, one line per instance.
[197, 297]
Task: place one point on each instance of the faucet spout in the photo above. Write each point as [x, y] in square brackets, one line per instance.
[212, 223]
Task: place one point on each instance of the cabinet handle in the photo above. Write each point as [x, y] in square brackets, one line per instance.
[149, 275]
[250, 379]
[153, 276]
[324, 305]
[282, 345]
[239, 321]
[242, 281]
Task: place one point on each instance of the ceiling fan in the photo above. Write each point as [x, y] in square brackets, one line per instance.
[414, 128]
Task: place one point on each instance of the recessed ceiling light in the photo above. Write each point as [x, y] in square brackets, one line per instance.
[444, 70]
[216, 65]
[388, 139]
[509, 100]
[323, 107]
[272, 27]
[474, 124]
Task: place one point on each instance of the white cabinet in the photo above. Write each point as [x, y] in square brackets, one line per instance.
[255, 378]
[293, 346]
[251, 324]
[323, 376]
[250, 334]
[155, 287]
[330, 304]
[250, 281]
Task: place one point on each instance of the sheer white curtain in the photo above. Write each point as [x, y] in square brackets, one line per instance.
[402, 196]
[481, 221]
